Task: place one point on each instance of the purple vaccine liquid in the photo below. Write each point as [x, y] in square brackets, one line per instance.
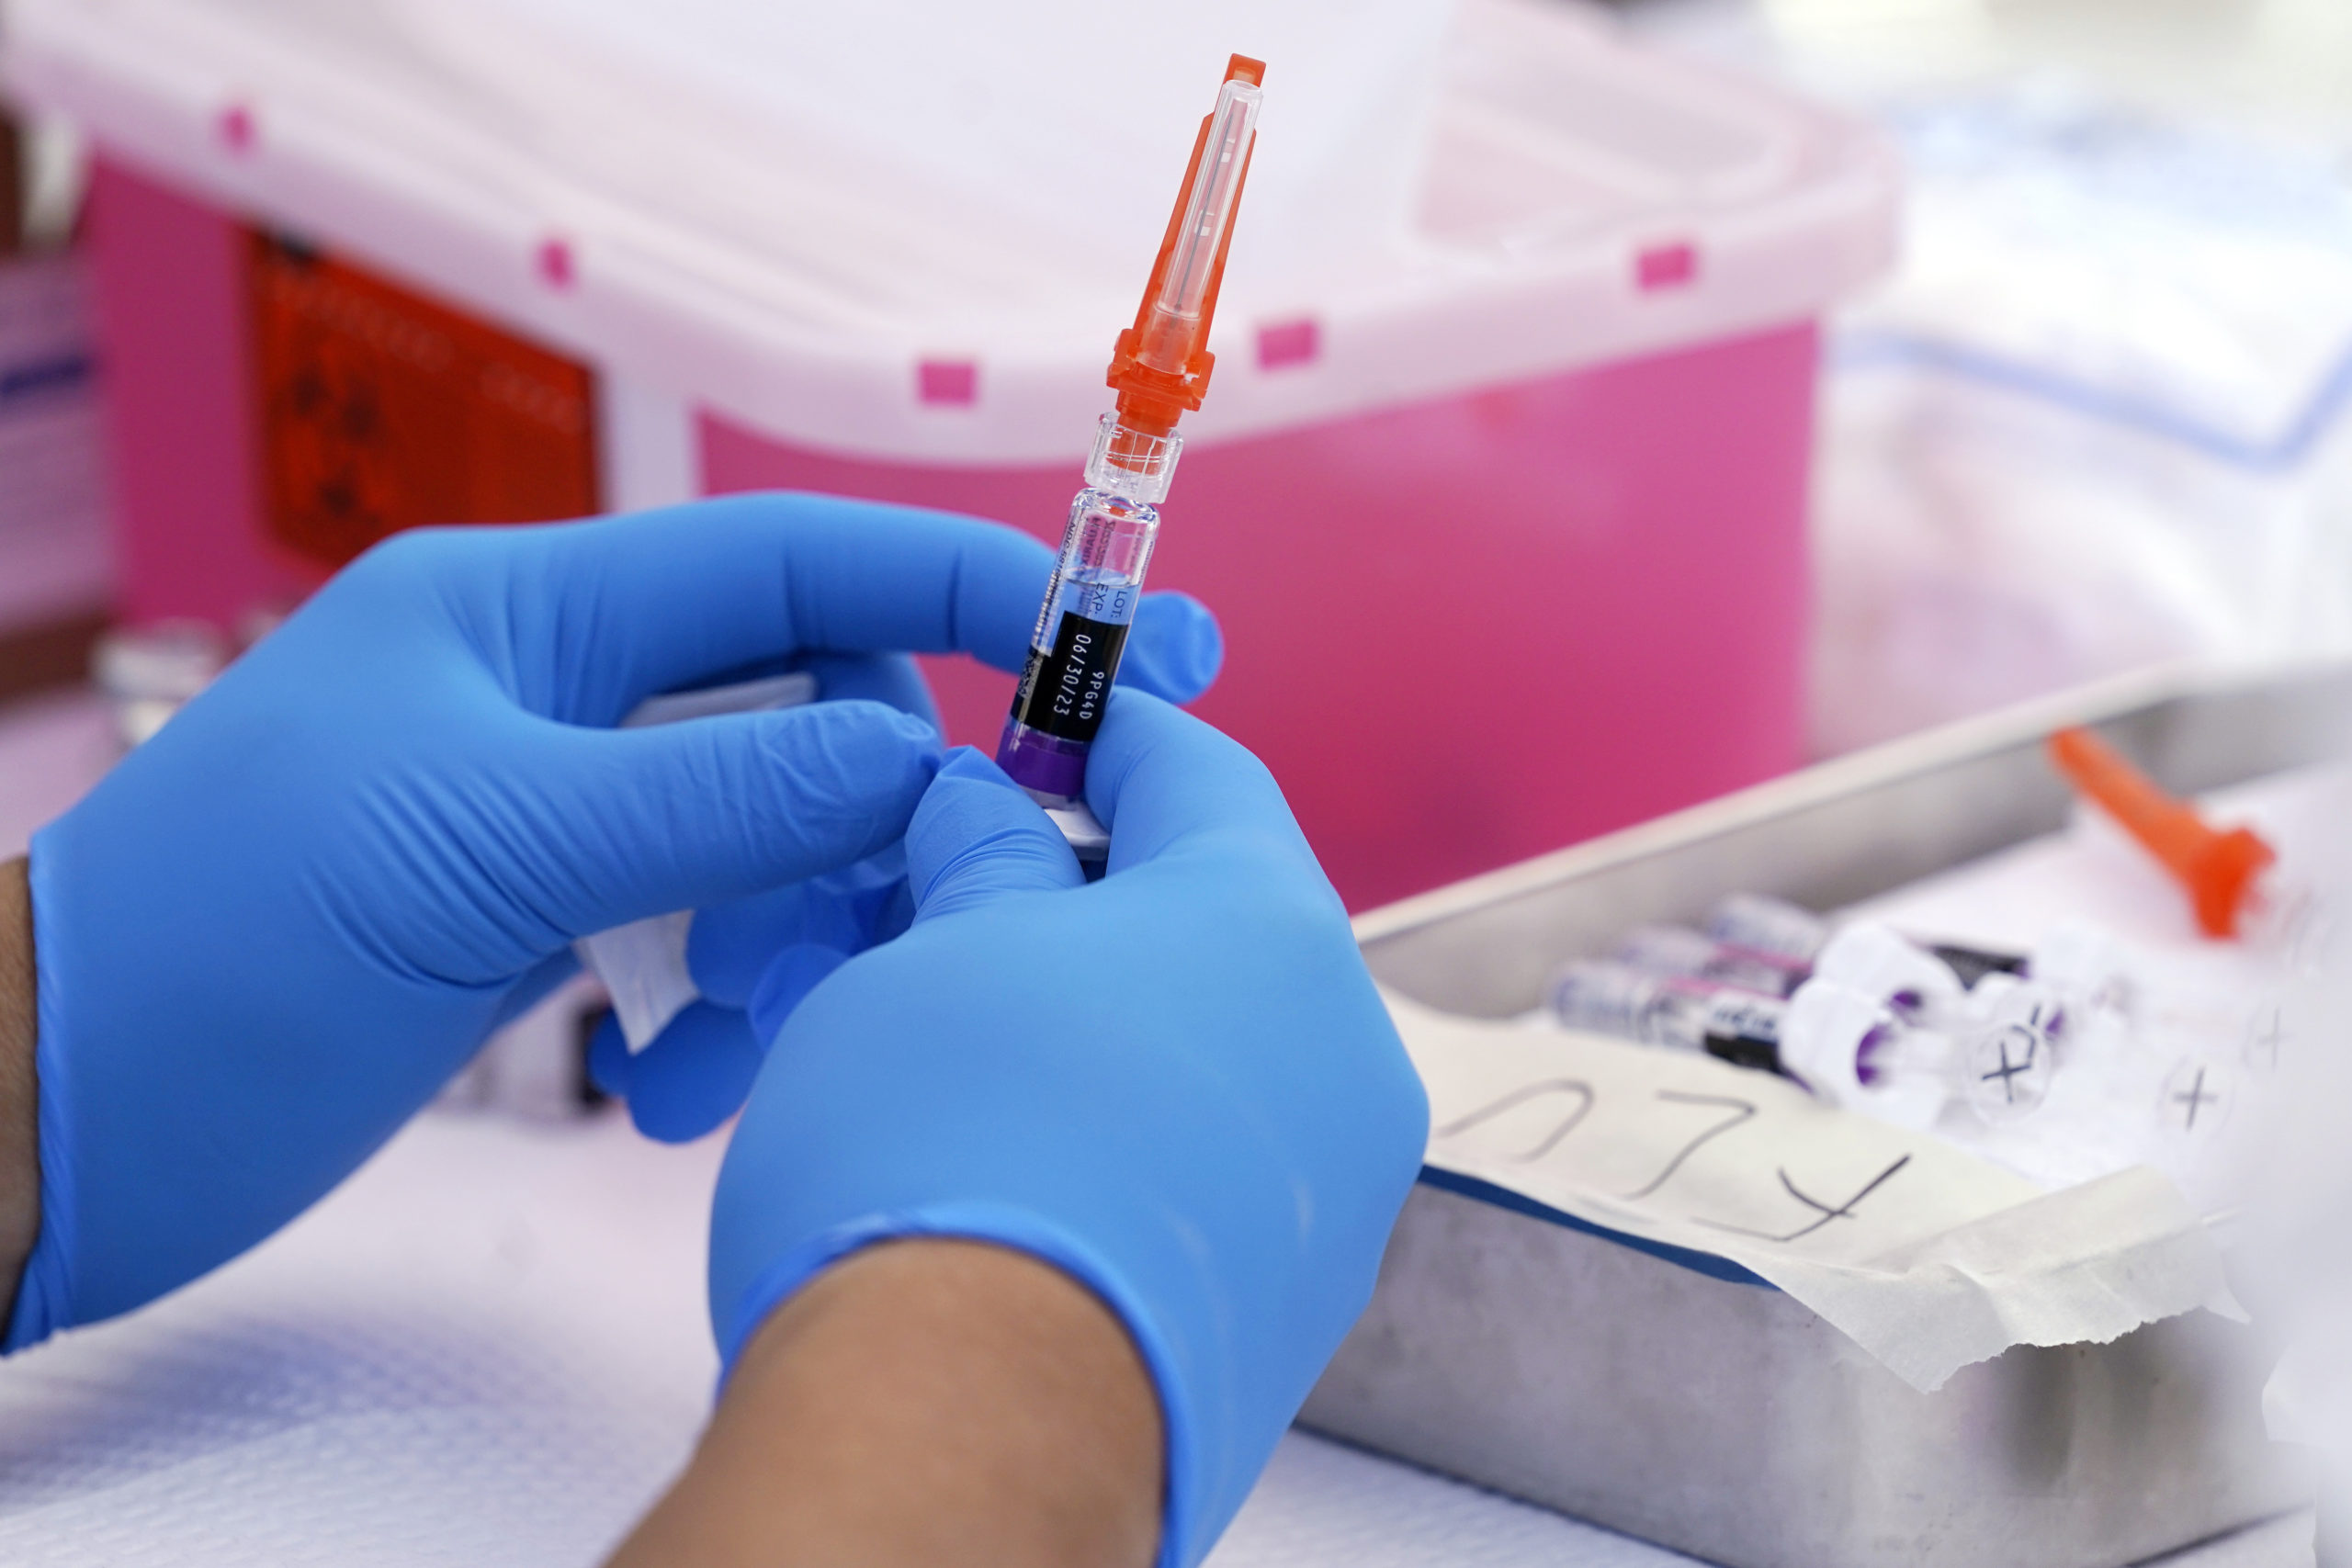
[1090, 604]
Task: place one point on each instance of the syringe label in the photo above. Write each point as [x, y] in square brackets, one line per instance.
[1744, 1031]
[1063, 692]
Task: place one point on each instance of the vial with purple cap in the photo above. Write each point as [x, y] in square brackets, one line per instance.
[1844, 1046]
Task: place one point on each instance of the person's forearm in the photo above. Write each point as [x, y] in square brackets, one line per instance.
[19, 1101]
[930, 1402]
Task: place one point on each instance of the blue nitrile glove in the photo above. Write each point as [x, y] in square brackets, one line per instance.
[1177, 1084]
[274, 930]
[694, 1074]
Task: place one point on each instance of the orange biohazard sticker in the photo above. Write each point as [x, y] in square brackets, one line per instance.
[382, 411]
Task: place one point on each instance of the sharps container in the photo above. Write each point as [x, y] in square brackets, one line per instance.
[1500, 490]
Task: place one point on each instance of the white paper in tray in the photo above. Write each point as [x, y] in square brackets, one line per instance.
[1925, 1255]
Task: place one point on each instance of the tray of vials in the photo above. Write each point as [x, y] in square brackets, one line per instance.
[1840, 1173]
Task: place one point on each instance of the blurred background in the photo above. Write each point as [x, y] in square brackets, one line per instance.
[2093, 420]
[1618, 404]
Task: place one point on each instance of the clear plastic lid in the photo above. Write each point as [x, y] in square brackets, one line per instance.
[749, 223]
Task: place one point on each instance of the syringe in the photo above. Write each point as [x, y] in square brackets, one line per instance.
[1160, 371]
[1683, 1012]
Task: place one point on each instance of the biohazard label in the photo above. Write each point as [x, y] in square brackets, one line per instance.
[382, 409]
[1063, 693]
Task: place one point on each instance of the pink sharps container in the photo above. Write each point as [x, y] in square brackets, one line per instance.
[1504, 520]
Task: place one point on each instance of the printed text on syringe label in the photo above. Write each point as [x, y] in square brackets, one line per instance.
[1730, 1025]
[1064, 690]
[1743, 1030]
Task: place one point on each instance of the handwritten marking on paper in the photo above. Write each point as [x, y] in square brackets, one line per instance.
[1829, 1213]
[1529, 1122]
[1741, 1111]
[1522, 1096]
[2193, 1096]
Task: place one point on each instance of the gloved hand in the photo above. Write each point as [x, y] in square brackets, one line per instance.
[272, 932]
[1177, 1084]
[695, 1072]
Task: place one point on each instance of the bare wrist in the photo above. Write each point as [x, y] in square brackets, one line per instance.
[19, 1097]
[924, 1402]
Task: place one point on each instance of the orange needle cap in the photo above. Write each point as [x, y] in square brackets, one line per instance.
[2216, 868]
[1161, 365]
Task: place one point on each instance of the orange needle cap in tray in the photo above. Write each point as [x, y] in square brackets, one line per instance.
[2217, 868]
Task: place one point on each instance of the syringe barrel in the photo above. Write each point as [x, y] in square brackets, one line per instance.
[1090, 603]
[1680, 1011]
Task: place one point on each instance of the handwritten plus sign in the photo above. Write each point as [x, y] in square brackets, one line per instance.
[2195, 1097]
[2008, 1071]
[2267, 1039]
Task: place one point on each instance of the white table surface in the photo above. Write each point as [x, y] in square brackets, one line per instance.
[490, 1347]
